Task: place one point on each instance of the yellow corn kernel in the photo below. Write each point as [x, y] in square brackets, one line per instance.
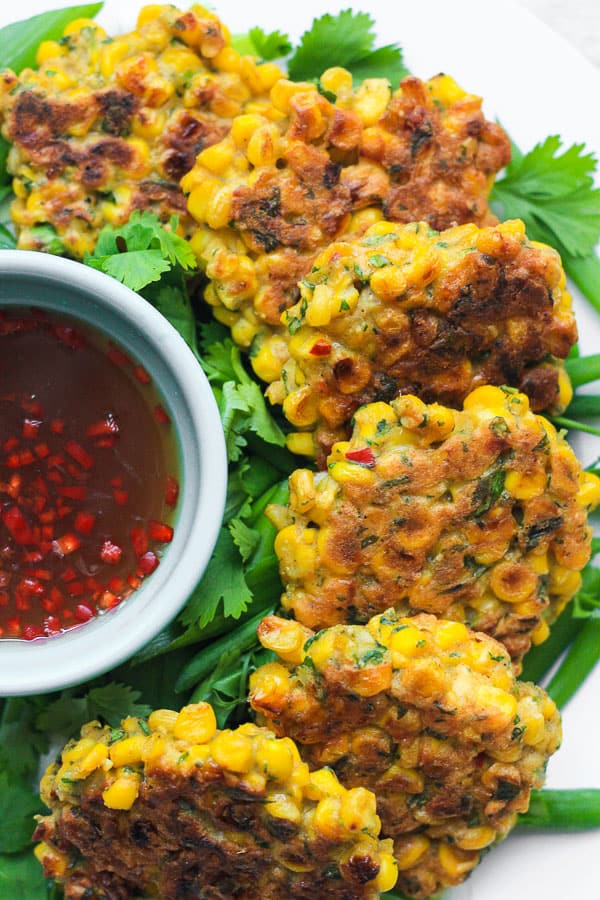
[588, 494]
[227, 60]
[180, 59]
[162, 720]
[280, 806]
[148, 123]
[283, 91]
[286, 638]
[52, 859]
[476, 838]
[48, 50]
[267, 75]
[298, 556]
[149, 14]
[60, 79]
[371, 99]
[448, 634]
[218, 157]
[323, 783]
[195, 723]
[122, 793]
[358, 811]
[274, 758]
[111, 55]
[388, 873]
[455, 864]
[565, 389]
[78, 24]
[92, 760]
[483, 398]
[498, 704]
[351, 473]
[445, 89]
[263, 147]
[270, 358]
[154, 748]
[326, 819]
[410, 850]
[78, 750]
[337, 80]
[270, 682]
[371, 419]
[200, 199]
[524, 486]
[233, 751]
[301, 443]
[513, 582]
[300, 407]
[244, 127]
[243, 332]
[408, 641]
[302, 490]
[540, 633]
[320, 308]
[128, 751]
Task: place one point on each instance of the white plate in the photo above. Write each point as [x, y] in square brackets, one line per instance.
[535, 84]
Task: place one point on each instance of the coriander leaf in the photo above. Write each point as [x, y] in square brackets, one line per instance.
[266, 45]
[114, 702]
[64, 716]
[173, 302]
[245, 538]
[223, 582]
[18, 805]
[217, 362]
[135, 268]
[260, 420]
[20, 40]
[7, 240]
[348, 38]
[555, 196]
[22, 877]
[20, 741]
[385, 62]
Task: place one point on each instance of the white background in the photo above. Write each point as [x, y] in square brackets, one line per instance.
[536, 84]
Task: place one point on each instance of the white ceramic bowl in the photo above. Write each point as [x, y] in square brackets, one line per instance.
[60, 285]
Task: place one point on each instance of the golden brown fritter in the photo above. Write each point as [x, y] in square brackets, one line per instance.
[425, 713]
[106, 126]
[284, 184]
[478, 516]
[173, 808]
[410, 310]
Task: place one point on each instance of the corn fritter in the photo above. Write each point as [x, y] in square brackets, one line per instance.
[478, 515]
[410, 310]
[426, 714]
[171, 807]
[286, 182]
[109, 125]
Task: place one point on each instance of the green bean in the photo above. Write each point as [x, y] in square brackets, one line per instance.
[578, 663]
[567, 810]
[583, 369]
[540, 659]
[584, 405]
[240, 639]
[585, 272]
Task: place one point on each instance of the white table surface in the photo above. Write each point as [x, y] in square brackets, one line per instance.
[578, 22]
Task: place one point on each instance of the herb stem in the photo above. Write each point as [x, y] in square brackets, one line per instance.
[573, 425]
[584, 405]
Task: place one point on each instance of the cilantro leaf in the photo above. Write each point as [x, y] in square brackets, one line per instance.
[110, 702]
[114, 702]
[266, 45]
[555, 196]
[139, 252]
[244, 537]
[349, 39]
[21, 876]
[18, 805]
[223, 582]
[170, 297]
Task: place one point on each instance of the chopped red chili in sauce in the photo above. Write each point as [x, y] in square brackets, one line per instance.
[88, 477]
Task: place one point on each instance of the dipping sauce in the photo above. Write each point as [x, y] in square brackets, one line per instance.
[88, 474]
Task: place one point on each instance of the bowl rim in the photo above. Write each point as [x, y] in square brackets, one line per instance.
[83, 653]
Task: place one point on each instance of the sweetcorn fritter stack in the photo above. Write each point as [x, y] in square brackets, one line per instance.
[425, 713]
[404, 309]
[173, 808]
[477, 515]
[285, 183]
[109, 125]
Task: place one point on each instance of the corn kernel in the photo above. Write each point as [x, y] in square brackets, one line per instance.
[456, 864]
[195, 723]
[233, 751]
[218, 157]
[162, 720]
[129, 751]
[78, 24]
[499, 706]
[122, 793]
[448, 634]
[281, 806]
[301, 443]
[275, 759]
[388, 873]
[48, 50]
[476, 838]
[92, 760]
[52, 859]
[540, 633]
[408, 641]
[411, 850]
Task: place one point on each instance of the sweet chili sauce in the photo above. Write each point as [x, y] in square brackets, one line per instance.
[88, 477]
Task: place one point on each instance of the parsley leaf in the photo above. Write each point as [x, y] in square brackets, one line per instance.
[141, 251]
[555, 196]
[349, 39]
